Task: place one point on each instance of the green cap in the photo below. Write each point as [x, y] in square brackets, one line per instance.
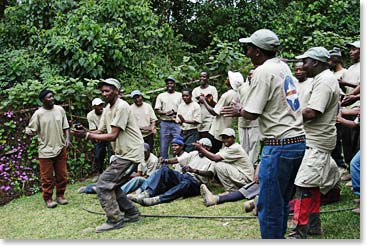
[110, 81]
[316, 53]
[264, 39]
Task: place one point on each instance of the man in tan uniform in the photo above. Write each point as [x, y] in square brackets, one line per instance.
[145, 117]
[50, 124]
[117, 125]
[318, 171]
[211, 95]
[232, 165]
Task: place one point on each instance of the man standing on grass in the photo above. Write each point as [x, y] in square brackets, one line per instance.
[273, 99]
[51, 126]
[117, 125]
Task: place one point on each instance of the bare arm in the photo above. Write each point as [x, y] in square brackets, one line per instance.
[206, 104]
[309, 114]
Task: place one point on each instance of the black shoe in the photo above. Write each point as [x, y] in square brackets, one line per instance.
[110, 226]
[132, 216]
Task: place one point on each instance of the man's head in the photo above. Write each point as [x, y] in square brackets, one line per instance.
[206, 143]
[235, 79]
[261, 45]
[315, 60]
[335, 58]
[46, 96]
[146, 151]
[137, 97]
[98, 105]
[110, 89]
[204, 78]
[170, 84]
[187, 95]
[354, 50]
[228, 137]
[299, 72]
[177, 145]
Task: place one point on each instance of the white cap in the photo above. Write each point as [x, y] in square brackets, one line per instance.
[97, 101]
[206, 142]
[235, 79]
[228, 132]
[264, 39]
[110, 81]
[356, 44]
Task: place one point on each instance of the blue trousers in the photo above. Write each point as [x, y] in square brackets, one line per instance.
[133, 184]
[355, 171]
[168, 130]
[169, 185]
[278, 170]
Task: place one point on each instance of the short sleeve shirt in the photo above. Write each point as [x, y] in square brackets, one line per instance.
[353, 76]
[129, 144]
[190, 112]
[168, 101]
[147, 167]
[323, 97]
[243, 93]
[220, 122]
[206, 117]
[144, 115]
[93, 120]
[303, 88]
[235, 155]
[273, 95]
[182, 161]
[49, 126]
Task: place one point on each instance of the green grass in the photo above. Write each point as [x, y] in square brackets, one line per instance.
[28, 218]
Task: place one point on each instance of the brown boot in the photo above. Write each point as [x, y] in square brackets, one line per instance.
[51, 204]
[61, 200]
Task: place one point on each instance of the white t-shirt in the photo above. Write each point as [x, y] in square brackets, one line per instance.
[168, 101]
[206, 117]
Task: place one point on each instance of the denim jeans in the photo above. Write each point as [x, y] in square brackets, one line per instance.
[191, 137]
[355, 172]
[133, 184]
[278, 170]
[168, 130]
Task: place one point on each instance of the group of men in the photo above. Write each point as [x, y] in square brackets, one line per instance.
[295, 121]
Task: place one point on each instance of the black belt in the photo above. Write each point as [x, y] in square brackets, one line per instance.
[283, 141]
[171, 121]
[185, 132]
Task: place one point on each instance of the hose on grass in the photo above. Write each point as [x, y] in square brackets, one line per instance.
[211, 217]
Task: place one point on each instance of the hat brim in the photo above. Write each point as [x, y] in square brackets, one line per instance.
[245, 40]
[226, 135]
[352, 45]
[302, 56]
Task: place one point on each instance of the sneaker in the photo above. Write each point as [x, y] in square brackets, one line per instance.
[139, 198]
[82, 189]
[132, 215]
[249, 205]
[51, 204]
[61, 200]
[209, 198]
[346, 177]
[151, 201]
[133, 194]
[348, 184]
[110, 226]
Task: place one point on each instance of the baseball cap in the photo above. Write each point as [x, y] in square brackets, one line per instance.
[206, 142]
[110, 81]
[264, 39]
[356, 44]
[228, 132]
[135, 93]
[178, 140]
[97, 101]
[335, 52]
[316, 53]
[235, 79]
[170, 78]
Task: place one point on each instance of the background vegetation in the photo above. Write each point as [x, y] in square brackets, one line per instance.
[68, 45]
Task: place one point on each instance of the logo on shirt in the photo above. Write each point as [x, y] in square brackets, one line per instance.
[291, 93]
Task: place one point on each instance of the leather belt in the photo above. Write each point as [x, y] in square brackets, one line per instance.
[283, 141]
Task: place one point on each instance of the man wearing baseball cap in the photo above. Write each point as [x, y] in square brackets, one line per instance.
[318, 171]
[118, 126]
[273, 99]
[99, 151]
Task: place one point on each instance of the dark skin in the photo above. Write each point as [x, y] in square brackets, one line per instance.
[110, 95]
[48, 103]
[138, 101]
[146, 157]
[299, 72]
[98, 109]
[170, 87]
[227, 141]
[187, 98]
[204, 79]
[177, 151]
[209, 107]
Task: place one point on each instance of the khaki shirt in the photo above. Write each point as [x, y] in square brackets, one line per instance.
[194, 160]
[206, 117]
[353, 76]
[303, 88]
[243, 92]
[182, 161]
[273, 95]
[220, 122]
[49, 126]
[93, 120]
[147, 167]
[235, 155]
[323, 97]
[144, 116]
[190, 112]
[168, 101]
[129, 144]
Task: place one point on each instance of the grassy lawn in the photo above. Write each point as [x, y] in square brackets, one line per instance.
[28, 218]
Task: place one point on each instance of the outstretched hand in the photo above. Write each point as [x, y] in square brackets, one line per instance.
[232, 111]
[79, 133]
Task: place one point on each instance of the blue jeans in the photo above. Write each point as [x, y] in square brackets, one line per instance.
[170, 185]
[278, 170]
[133, 184]
[168, 130]
[355, 166]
